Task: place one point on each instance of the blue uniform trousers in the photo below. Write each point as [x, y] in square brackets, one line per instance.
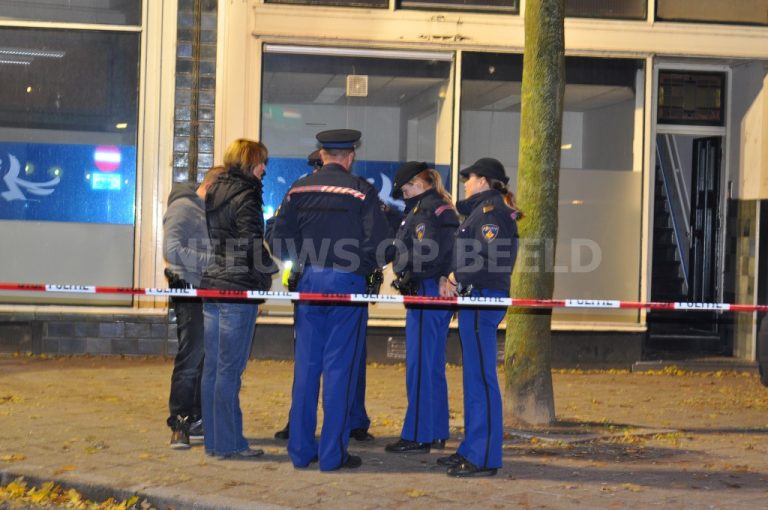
[483, 420]
[358, 417]
[426, 330]
[329, 342]
[228, 337]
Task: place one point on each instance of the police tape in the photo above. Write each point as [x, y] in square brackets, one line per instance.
[475, 301]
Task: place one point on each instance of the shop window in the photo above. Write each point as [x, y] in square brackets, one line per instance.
[68, 120]
[748, 12]
[400, 101]
[381, 4]
[512, 6]
[617, 9]
[114, 12]
[599, 230]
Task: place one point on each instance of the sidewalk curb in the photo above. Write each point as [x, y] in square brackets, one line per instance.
[160, 498]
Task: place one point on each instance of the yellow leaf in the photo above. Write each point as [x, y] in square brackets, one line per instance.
[415, 493]
[65, 468]
[14, 457]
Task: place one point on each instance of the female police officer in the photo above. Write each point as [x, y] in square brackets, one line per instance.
[424, 241]
[484, 255]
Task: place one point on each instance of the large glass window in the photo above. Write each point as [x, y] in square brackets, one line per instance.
[112, 12]
[68, 120]
[400, 101]
[619, 9]
[598, 243]
[512, 6]
[752, 12]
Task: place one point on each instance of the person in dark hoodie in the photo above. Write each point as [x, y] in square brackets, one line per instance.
[241, 261]
[186, 248]
[483, 258]
[424, 244]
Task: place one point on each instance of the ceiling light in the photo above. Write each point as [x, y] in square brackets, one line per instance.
[29, 89]
[15, 62]
[26, 52]
[566, 146]
[577, 202]
[121, 125]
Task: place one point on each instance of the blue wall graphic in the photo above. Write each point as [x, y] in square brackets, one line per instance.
[68, 182]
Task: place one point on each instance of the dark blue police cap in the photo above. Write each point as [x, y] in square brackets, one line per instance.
[487, 167]
[338, 138]
[404, 174]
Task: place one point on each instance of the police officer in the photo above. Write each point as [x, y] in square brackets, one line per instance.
[331, 224]
[424, 241]
[359, 420]
[484, 255]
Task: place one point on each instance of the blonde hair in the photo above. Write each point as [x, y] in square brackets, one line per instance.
[434, 179]
[245, 154]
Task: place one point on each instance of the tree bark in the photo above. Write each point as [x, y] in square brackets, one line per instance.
[529, 398]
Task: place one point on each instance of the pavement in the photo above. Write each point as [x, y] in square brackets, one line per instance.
[658, 439]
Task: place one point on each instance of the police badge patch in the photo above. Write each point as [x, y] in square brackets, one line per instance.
[490, 232]
[420, 229]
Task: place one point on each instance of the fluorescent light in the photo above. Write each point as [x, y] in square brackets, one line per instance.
[26, 52]
[121, 125]
[577, 202]
[15, 62]
[566, 146]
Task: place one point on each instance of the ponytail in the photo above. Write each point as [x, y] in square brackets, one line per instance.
[509, 196]
[433, 177]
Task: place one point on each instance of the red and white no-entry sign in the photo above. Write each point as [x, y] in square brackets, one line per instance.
[107, 158]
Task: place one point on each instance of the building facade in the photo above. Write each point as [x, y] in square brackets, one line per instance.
[665, 148]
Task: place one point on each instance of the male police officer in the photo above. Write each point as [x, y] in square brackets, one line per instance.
[330, 223]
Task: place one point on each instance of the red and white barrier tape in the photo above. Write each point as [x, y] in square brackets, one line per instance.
[383, 298]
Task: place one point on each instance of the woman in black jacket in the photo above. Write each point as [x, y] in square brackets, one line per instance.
[484, 255]
[424, 243]
[233, 207]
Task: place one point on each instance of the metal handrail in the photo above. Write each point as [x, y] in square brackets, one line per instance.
[679, 213]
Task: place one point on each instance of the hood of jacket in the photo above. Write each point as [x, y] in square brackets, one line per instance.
[228, 186]
[183, 190]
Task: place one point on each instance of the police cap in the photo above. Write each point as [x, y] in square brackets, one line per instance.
[338, 138]
[487, 167]
[314, 160]
[404, 174]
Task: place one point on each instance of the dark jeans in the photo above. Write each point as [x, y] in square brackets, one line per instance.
[188, 365]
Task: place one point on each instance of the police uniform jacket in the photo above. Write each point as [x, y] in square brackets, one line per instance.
[233, 207]
[331, 219]
[430, 225]
[486, 242]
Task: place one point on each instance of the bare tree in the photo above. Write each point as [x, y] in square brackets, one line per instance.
[527, 355]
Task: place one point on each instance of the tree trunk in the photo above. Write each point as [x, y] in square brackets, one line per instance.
[527, 355]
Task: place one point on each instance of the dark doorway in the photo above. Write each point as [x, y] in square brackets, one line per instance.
[686, 235]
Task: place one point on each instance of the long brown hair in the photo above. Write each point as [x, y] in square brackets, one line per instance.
[433, 178]
[509, 195]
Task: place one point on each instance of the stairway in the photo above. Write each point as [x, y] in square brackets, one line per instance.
[671, 334]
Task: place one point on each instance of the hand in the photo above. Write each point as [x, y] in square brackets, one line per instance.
[448, 286]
